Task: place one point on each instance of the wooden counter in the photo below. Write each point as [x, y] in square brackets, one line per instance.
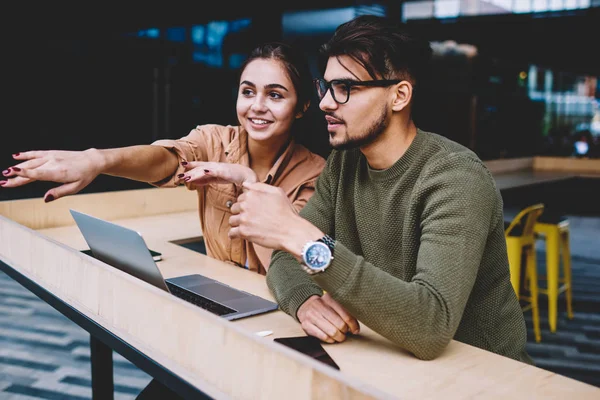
[226, 359]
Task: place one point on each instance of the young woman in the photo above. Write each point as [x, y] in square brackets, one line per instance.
[274, 91]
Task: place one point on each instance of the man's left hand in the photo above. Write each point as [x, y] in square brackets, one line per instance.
[264, 215]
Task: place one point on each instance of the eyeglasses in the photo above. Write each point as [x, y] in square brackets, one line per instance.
[340, 88]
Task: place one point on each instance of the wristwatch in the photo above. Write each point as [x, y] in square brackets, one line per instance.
[317, 256]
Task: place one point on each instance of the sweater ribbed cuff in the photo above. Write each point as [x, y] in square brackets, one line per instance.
[336, 275]
[300, 295]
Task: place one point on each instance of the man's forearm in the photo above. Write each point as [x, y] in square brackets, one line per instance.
[145, 163]
[416, 315]
[289, 284]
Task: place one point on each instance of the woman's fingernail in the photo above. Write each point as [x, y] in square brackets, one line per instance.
[16, 169]
[187, 178]
[6, 171]
[206, 171]
[2, 183]
[49, 198]
[16, 154]
[180, 176]
[184, 163]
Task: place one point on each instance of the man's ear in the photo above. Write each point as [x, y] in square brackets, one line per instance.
[402, 95]
[300, 114]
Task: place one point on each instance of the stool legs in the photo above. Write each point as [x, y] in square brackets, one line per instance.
[552, 268]
[514, 261]
[566, 254]
[532, 277]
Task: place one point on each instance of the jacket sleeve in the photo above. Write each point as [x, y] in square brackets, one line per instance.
[198, 145]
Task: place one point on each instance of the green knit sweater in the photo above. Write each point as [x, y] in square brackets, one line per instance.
[420, 254]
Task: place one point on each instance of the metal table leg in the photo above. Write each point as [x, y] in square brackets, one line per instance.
[102, 370]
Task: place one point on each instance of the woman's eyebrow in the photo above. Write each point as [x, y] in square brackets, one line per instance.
[269, 86]
[276, 86]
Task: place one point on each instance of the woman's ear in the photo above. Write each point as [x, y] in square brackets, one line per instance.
[402, 95]
[300, 114]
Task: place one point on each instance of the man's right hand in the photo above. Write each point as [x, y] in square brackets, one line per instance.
[75, 169]
[326, 319]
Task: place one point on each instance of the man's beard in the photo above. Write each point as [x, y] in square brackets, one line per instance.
[370, 135]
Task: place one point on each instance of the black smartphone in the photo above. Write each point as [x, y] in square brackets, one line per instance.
[156, 256]
[309, 345]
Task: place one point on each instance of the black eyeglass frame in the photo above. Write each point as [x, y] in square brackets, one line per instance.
[349, 83]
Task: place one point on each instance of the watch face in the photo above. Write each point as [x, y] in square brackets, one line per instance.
[317, 255]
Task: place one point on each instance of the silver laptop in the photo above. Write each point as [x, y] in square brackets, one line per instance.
[126, 250]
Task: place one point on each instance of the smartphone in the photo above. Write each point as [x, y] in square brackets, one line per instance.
[309, 345]
[156, 256]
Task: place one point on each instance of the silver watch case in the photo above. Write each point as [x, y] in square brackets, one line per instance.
[308, 259]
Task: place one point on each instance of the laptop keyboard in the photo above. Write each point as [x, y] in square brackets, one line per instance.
[202, 302]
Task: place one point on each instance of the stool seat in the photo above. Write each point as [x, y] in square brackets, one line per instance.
[545, 218]
[543, 226]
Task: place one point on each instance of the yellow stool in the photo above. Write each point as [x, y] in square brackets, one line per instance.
[557, 242]
[520, 241]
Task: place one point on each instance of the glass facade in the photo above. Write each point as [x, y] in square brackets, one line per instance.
[428, 9]
[541, 105]
[185, 74]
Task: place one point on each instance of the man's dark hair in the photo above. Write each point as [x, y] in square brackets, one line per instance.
[382, 46]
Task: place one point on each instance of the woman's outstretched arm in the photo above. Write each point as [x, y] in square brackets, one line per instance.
[77, 169]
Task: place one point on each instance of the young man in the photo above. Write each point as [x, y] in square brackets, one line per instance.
[405, 231]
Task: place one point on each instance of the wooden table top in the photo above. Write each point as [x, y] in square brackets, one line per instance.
[462, 371]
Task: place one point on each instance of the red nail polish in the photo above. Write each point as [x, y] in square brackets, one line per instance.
[180, 176]
[49, 198]
[16, 154]
[6, 171]
[206, 171]
[184, 163]
[2, 183]
[16, 169]
[187, 178]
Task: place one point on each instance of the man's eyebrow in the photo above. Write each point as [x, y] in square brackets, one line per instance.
[345, 78]
[349, 77]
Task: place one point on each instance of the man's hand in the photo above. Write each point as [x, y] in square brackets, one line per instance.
[264, 215]
[75, 169]
[326, 319]
[199, 173]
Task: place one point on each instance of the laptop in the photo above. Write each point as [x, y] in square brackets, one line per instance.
[126, 250]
